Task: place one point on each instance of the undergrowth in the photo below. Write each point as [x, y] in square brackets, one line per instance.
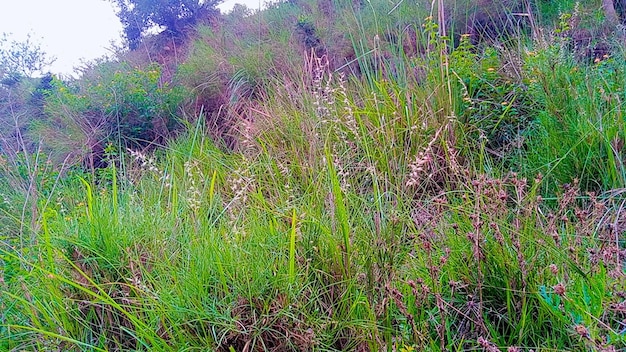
[455, 197]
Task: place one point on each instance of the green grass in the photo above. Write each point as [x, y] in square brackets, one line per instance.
[440, 206]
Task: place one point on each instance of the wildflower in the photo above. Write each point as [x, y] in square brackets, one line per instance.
[582, 331]
[554, 269]
[559, 289]
[487, 345]
[192, 168]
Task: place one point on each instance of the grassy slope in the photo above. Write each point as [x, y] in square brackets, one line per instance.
[407, 205]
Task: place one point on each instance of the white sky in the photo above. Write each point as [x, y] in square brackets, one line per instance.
[70, 29]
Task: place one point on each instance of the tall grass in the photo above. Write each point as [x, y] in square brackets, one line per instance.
[398, 210]
[579, 131]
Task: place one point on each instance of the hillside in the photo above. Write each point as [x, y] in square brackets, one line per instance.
[325, 175]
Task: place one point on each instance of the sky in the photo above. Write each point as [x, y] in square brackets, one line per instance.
[70, 30]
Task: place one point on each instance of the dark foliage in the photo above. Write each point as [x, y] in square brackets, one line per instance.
[308, 35]
[42, 90]
[137, 16]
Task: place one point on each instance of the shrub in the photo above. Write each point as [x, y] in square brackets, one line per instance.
[495, 109]
[125, 105]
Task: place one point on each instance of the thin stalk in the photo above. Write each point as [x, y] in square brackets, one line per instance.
[341, 213]
[292, 248]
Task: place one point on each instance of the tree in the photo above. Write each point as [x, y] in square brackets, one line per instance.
[23, 88]
[20, 59]
[137, 16]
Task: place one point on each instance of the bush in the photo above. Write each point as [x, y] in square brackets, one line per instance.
[495, 109]
[129, 106]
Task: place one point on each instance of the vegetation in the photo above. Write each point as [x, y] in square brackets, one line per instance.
[325, 176]
[21, 58]
[138, 16]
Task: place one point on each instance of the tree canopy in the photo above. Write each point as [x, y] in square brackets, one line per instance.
[174, 15]
[21, 59]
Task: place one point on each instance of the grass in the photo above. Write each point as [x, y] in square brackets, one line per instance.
[471, 200]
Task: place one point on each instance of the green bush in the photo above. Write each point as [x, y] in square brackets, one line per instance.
[496, 110]
[126, 104]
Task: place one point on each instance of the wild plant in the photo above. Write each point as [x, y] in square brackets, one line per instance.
[358, 213]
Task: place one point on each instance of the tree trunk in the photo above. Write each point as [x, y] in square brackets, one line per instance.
[609, 12]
